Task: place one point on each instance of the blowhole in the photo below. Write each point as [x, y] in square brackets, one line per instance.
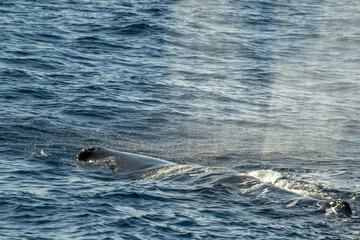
[91, 149]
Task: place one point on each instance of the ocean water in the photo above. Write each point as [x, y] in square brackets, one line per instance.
[256, 100]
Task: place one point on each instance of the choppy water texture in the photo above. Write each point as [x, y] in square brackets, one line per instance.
[269, 89]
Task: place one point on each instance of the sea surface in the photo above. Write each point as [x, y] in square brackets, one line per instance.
[258, 101]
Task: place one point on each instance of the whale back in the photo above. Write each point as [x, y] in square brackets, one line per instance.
[120, 161]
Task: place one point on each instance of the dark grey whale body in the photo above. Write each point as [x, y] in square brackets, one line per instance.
[124, 162]
[121, 161]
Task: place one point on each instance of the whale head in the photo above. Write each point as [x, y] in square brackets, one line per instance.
[92, 154]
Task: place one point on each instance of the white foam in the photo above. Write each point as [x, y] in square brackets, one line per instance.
[267, 176]
[304, 188]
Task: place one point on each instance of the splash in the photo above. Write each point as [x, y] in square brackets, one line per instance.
[301, 187]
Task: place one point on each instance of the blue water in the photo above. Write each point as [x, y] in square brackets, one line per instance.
[268, 89]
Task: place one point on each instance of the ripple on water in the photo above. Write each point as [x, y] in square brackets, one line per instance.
[269, 87]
